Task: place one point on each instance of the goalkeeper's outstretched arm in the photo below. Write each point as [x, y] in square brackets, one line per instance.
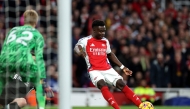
[38, 52]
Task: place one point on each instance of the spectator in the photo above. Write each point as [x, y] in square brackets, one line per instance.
[144, 60]
[124, 56]
[170, 11]
[177, 71]
[187, 73]
[135, 65]
[168, 49]
[76, 35]
[160, 72]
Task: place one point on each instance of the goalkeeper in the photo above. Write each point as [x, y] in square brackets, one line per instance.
[17, 67]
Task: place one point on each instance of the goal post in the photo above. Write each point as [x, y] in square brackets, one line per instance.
[64, 53]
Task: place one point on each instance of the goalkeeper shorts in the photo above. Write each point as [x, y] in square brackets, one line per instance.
[14, 89]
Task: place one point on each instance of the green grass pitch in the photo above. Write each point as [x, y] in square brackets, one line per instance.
[122, 107]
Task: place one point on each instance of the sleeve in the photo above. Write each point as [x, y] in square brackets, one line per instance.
[39, 56]
[108, 47]
[80, 42]
[41, 70]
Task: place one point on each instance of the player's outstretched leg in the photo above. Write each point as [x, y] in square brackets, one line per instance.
[128, 92]
[107, 94]
[12, 106]
[17, 103]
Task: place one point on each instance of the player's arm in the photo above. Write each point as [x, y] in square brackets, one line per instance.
[79, 48]
[38, 52]
[41, 86]
[114, 59]
[39, 56]
[111, 56]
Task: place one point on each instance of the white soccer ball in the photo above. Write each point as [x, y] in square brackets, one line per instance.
[146, 105]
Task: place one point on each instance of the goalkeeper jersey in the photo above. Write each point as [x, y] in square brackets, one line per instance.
[16, 54]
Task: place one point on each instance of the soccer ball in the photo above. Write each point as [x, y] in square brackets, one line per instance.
[146, 105]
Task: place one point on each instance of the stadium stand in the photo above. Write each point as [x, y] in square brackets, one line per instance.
[153, 42]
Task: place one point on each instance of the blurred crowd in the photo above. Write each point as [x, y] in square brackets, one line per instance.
[151, 41]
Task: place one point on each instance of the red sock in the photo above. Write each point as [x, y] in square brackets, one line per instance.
[109, 97]
[130, 94]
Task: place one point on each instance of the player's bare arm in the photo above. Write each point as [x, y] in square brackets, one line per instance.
[113, 58]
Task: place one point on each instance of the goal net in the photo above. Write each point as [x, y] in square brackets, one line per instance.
[11, 15]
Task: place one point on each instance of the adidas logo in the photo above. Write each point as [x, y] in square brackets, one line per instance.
[109, 99]
[92, 45]
[112, 102]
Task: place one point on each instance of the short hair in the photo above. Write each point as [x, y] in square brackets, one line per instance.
[30, 17]
[97, 23]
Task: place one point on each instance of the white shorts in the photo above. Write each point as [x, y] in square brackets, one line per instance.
[110, 76]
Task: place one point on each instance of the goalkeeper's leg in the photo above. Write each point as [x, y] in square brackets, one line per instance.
[14, 93]
[17, 103]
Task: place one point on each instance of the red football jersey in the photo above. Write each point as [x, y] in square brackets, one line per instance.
[96, 52]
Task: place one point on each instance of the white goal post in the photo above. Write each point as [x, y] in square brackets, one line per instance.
[64, 53]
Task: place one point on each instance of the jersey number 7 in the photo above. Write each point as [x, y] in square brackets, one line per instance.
[22, 40]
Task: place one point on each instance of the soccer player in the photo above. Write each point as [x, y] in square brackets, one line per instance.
[96, 51]
[18, 69]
